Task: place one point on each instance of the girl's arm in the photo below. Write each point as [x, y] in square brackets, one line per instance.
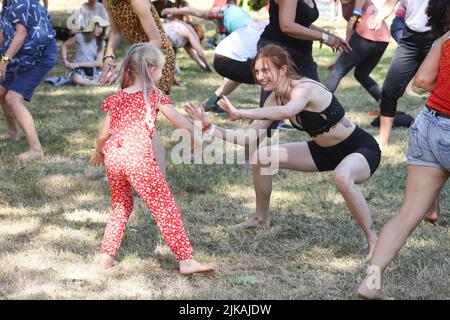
[143, 11]
[181, 122]
[243, 137]
[429, 69]
[64, 47]
[97, 157]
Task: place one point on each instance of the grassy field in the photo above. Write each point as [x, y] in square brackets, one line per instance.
[53, 213]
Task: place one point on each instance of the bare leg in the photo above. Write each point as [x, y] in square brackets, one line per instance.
[15, 106]
[160, 152]
[295, 156]
[385, 131]
[187, 11]
[353, 170]
[422, 188]
[77, 79]
[11, 130]
[226, 87]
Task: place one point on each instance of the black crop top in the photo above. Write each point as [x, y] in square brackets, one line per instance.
[305, 16]
[315, 123]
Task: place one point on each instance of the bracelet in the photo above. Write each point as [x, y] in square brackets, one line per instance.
[207, 127]
[209, 131]
[5, 58]
[109, 56]
[324, 38]
[358, 12]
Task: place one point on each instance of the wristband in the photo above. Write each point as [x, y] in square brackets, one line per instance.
[358, 12]
[109, 56]
[324, 38]
[5, 58]
[207, 127]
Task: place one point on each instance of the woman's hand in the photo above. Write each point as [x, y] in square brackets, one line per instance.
[227, 106]
[97, 158]
[197, 114]
[167, 12]
[375, 23]
[110, 71]
[3, 67]
[337, 43]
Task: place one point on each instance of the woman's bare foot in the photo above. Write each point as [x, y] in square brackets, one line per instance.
[252, 222]
[106, 261]
[30, 155]
[10, 135]
[432, 217]
[370, 294]
[190, 266]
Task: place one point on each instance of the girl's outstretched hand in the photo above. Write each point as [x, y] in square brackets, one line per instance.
[97, 158]
[197, 114]
[226, 105]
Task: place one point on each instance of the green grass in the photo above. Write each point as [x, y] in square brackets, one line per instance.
[53, 213]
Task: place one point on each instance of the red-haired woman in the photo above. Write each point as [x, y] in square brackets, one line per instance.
[337, 143]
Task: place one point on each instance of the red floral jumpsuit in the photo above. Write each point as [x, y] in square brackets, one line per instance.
[130, 163]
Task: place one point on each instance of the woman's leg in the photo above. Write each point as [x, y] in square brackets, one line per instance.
[352, 170]
[422, 187]
[295, 156]
[366, 66]
[11, 130]
[14, 104]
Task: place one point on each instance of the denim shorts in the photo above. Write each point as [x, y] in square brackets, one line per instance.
[429, 141]
[25, 82]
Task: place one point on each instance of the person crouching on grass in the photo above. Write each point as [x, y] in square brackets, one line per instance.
[337, 144]
[124, 146]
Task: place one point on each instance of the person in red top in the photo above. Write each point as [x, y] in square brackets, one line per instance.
[368, 46]
[428, 153]
[124, 145]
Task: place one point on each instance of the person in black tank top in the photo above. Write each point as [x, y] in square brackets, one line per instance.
[296, 34]
[337, 144]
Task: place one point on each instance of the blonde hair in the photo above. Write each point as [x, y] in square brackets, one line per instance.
[135, 66]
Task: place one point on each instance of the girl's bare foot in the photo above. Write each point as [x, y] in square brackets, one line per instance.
[10, 135]
[30, 155]
[190, 266]
[369, 294]
[252, 222]
[106, 261]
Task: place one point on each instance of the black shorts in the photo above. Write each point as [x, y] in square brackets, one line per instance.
[239, 71]
[328, 158]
